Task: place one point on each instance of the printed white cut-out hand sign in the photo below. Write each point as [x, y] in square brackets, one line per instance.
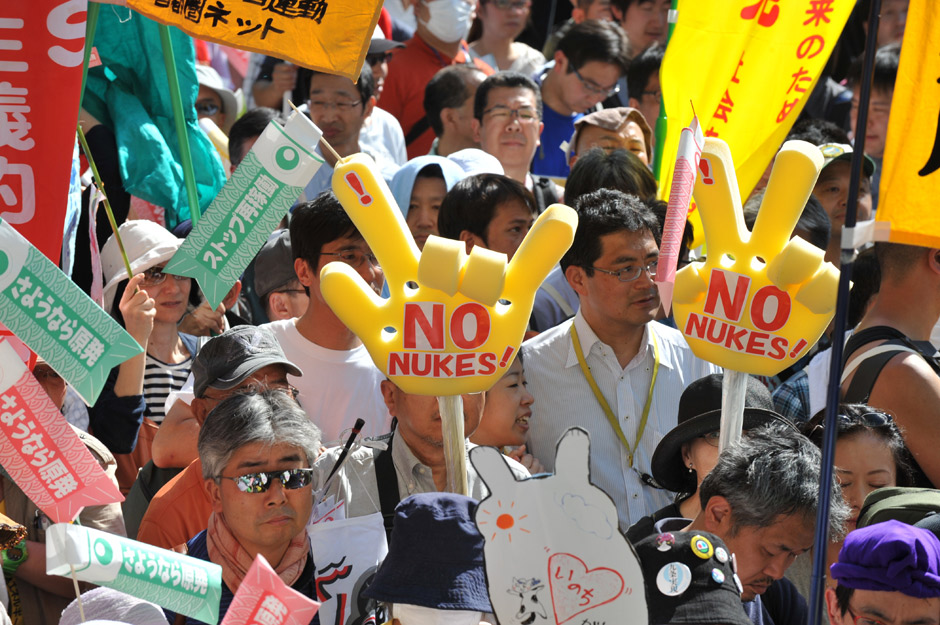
[554, 553]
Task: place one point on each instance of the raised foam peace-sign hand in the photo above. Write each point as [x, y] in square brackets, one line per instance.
[760, 299]
[553, 550]
[453, 333]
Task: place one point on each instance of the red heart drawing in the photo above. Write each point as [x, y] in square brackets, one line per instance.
[575, 589]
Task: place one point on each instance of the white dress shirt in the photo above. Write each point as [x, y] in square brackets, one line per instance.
[563, 399]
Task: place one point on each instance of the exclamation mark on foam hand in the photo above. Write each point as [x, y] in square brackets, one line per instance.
[352, 179]
[506, 355]
[799, 347]
[705, 167]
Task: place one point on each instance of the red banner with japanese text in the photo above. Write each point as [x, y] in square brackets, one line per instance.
[748, 67]
[42, 44]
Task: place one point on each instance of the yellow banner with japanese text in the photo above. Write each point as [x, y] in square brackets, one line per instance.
[326, 35]
[910, 181]
[748, 67]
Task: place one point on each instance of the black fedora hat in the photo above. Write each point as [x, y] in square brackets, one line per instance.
[700, 414]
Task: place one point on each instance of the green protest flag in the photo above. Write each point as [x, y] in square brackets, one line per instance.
[180, 583]
[56, 319]
[248, 208]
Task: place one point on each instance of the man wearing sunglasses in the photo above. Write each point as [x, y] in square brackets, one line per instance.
[588, 64]
[256, 452]
[609, 370]
[242, 359]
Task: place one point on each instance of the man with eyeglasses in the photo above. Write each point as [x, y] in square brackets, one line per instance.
[256, 452]
[588, 64]
[507, 111]
[243, 359]
[339, 107]
[609, 370]
[887, 574]
[341, 384]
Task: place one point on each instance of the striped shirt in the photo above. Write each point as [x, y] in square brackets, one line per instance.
[160, 379]
[563, 399]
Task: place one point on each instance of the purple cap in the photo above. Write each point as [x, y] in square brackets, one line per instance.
[891, 557]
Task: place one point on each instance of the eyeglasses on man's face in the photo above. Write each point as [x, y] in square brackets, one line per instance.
[354, 258]
[500, 113]
[321, 106]
[595, 88]
[631, 272]
[291, 479]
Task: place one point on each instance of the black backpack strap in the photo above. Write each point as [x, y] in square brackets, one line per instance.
[867, 372]
[417, 130]
[386, 479]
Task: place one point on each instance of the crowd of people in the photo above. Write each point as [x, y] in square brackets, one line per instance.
[228, 434]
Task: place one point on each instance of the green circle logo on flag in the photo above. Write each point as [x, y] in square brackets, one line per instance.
[4, 262]
[287, 158]
[103, 551]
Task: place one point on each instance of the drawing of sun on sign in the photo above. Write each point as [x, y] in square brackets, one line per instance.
[553, 552]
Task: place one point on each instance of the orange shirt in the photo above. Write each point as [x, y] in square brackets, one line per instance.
[409, 71]
[178, 511]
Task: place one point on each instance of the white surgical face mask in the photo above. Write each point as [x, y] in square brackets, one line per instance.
[449, 19]
[418, 615]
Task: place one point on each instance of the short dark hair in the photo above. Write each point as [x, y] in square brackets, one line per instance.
[896, 259]
[248, 126]
[595, 40]
[813, 219]
[600, 213]
[642, 67]
[316, 223]
[365, 85]
[771, 473]
[511, 80]
[447, 89]
[866, 280]
[660, 208]
[884, 72]
[471, 203]
[621, 170]
[843, 597]
[818, 131]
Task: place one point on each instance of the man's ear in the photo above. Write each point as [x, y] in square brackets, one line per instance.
[215, 494]
[304, 272]
[368, 108]
[561, 62]
[933, 259]
[633, 102]
[832, 606]
[477, 130]
[232, 295]
[389, 391]
[717, 515]
[448, 117]
[277, 306]
[200, 409]
[471, 239]
[576, 276]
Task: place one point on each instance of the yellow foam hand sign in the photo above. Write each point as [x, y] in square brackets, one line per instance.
[459, 328]
[761, 299]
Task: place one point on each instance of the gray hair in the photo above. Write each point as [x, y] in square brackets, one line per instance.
[271, 417]
[772, 472]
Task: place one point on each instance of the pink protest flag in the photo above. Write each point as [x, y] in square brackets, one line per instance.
[41, 452]
[691, 143]
[263, 598]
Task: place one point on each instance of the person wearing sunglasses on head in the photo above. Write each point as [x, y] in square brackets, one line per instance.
[887, 574]
[869, 455]
[256, 451]
[243, 359]
[588, 64]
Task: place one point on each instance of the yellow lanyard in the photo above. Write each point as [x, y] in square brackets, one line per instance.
[611, 418]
